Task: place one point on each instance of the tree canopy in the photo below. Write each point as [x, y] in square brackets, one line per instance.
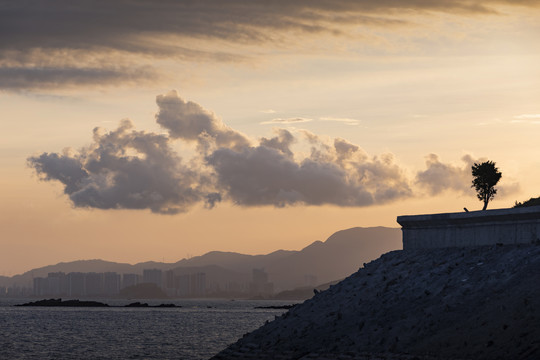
[485, 176]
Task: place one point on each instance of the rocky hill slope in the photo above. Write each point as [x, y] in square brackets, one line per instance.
[469, 303]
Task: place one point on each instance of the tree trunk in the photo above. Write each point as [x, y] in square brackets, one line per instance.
[485, 204]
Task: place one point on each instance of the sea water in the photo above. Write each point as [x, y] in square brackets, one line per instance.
[197, 330]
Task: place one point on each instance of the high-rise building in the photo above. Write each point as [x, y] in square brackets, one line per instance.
[41, 286]
[182, 283]
[169, 279]
[130, 280]
[58, 284]
[94, 284]
[111, 283]
[76, 284]
[190, 285]
[198, 284]
[154, 276]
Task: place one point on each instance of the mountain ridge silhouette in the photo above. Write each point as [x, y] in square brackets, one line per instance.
[337, 257]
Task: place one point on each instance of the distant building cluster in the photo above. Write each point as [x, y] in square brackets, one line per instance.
[178, 282]
[82, 284]
[15, 291]
[185, 285]
[260, 286]
[92, 284]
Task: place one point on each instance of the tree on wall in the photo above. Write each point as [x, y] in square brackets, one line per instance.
[485, 177]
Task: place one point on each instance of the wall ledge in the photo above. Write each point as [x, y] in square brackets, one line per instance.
[474, 228]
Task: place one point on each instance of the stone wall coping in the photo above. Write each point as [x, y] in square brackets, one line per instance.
[471, 217]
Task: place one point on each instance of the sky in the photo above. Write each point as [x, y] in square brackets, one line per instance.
[146, 130]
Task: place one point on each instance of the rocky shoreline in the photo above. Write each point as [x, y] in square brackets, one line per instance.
[453, 303]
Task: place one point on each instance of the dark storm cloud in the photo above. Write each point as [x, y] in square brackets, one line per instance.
[36, 37]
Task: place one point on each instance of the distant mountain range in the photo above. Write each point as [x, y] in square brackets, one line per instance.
[321, 262]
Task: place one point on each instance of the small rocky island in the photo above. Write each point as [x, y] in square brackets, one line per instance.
[82, 303]
[65, 303]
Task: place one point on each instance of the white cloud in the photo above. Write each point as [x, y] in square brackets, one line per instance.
[526, 119]
[346, 121]
[293, 120]
[527, 116]
[129, 169]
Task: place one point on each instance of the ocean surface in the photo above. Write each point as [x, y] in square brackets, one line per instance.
[197, 330]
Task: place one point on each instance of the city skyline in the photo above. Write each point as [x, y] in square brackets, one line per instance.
[248, 127]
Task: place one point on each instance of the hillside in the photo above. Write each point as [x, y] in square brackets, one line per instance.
[339, 256]
[471, 303]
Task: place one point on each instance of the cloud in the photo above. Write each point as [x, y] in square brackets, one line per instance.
[347, 121]
[22, 78]
[339, 174]
[281, 142]
[125, 169]
[189, 121]
[527, 119]
[267, 176]
[294, 120]
[505, 190]
[527, 116]
[440, 177]
[130, 169]
[42, 37]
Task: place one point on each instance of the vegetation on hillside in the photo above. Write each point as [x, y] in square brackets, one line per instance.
[531, 202]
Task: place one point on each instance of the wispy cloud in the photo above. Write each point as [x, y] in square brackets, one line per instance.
[38, 38]
[346, 121]
[268, 111]
[526, 118]
[294, 120]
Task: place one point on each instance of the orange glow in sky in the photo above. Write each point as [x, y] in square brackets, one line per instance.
[254, 130]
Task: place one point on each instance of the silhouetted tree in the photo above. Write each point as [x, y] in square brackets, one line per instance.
[485, 177]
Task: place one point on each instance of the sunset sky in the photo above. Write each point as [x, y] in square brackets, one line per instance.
[156, 130]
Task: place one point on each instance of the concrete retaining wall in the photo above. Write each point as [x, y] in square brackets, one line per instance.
[489, 227]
